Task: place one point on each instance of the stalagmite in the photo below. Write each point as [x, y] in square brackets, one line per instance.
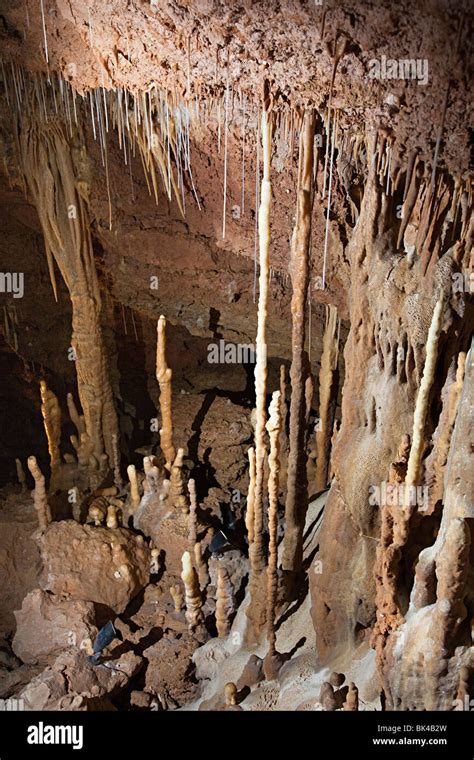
[421, 407]
[352, 699]
[60, 191]
[193, 600]
[225, 603]
[256, 548]
[296, 500]
[192, 518]
[326, 373]
[250, 512]
[164, 375]
[112, 516]
[274, 432]
[77, 419]
[201, 565]
[177, 597]
[177, 484]
[20, 473]
[116, 461]
[134, 492]
[51, 412]
[230, 694]
[39, 495]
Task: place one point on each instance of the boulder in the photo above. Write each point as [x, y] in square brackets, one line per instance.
[104, 565]
[47, 624]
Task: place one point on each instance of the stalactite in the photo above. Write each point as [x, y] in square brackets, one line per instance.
[39, 495]
[225, 603]
[77, 419]
[274, 425]
[60, 195]
[164, 375]
[256, 549]
[326, 374]
[296, 500]
[193, 600]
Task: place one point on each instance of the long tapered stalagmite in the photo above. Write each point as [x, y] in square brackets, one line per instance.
[296, 500]
[250, 512]
[51, 412]
[164, 376]
[274, 431]
[116, 461]
[421, 406]
[193, 597]
[256, 549]
[59, 188]
[39, 495]
[326, 373]
[225, 603]
[192, 517]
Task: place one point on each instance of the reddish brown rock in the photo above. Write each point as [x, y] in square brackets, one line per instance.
[46, 624]
[170, 667]
[20, 561]
[103, 565]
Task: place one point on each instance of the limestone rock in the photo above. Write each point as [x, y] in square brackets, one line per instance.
[46, 624]
[20, 561]
[103, 565]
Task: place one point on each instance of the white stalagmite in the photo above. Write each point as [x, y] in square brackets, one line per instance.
[326, 373]
[193, 598]
[164, 376]
[250, 512]
[274, 431]
[421, 407]
[192, 517]
[225, 603]
[134, 492]
[256, 553]
[39, 495]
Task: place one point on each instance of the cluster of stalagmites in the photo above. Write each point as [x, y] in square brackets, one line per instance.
[162, 501]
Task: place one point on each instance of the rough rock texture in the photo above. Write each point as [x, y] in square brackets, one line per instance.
[20, 562]
[47, 624]
[170, 667]
[102, 565]
[72, 683]
[426, 653]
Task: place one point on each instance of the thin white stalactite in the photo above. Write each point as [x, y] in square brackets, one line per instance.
[242, 202]
[226, 134]
[257, 203]
[92, 114]
[328, 140]
[46, 54]
[326, 236]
